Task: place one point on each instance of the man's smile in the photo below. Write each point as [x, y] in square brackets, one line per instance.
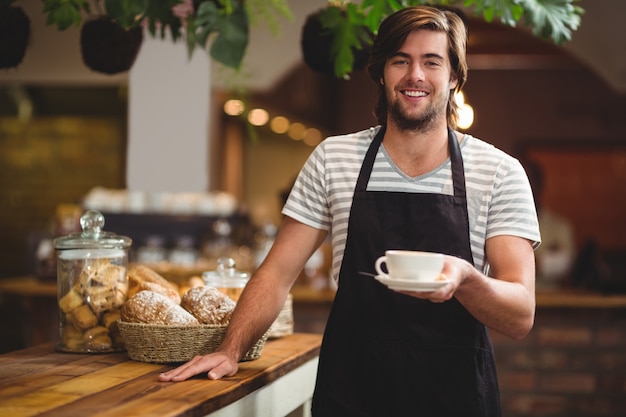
[414, 93]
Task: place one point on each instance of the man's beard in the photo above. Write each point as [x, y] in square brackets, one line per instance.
[421, 122]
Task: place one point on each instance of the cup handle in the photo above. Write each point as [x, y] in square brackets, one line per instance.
[378, 264]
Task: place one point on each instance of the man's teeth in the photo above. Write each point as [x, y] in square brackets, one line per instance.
[415, 93]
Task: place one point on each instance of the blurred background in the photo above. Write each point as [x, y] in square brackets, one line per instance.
[128, 145]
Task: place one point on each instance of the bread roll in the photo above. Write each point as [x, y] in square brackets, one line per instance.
[141, 277]
[208, 305]
[153, 308]
[169, 292]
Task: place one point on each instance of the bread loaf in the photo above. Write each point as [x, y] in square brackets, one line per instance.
[154, 308]
[141, 277]
[208, 305]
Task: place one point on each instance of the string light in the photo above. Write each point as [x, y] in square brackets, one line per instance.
[465, 111]
[296, 131]
[258, 117]
[310, 136]
[279, 124]
[234, 107]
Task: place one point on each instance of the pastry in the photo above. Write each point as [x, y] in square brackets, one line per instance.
[83, 318]
[192, 282]
[109, 318]
[168, 291]
[140, 275]
[97, 338]
[93, 302]
[101, 299]
[72, 337]
[154, 308]
[70, 301]
[208, 305]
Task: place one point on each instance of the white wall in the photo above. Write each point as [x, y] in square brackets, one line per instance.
[168, 119]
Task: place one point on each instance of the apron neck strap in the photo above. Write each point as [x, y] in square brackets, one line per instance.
[456, 161]
[368, 162]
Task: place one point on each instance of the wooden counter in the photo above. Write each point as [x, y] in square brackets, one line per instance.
[28, 286]
[40, 381]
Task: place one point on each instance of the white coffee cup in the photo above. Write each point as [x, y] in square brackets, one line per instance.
[413, 265]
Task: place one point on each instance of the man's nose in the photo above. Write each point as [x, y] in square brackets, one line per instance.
[416, 72]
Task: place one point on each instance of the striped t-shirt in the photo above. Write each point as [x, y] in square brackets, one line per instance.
[500, 201]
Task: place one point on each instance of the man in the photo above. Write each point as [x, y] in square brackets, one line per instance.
[412, 183]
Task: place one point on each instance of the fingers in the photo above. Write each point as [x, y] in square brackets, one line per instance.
[225, 368]
[185, 371]
[441, 295]
[216, 366]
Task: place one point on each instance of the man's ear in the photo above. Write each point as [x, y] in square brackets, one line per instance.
[382, 81]
[454, 81]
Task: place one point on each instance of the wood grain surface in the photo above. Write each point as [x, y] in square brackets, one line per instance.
[40, 381]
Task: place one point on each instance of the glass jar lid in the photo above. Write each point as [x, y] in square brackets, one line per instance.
[226, 275]
[92, 236]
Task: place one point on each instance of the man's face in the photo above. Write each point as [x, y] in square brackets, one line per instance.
[418, 81]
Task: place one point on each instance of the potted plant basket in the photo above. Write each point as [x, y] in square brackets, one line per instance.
[14, 34]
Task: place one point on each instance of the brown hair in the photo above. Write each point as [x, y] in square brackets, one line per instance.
[392, 34]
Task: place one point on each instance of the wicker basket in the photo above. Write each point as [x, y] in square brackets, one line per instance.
[166, 344]
[283, 325]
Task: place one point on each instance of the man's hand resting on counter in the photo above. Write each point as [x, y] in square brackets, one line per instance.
[216, 364]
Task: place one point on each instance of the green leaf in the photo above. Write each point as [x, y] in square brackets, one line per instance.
[190, 37]
[231, 27]
[508, 11]
[374, 12]
[349, 30]
[269, 11]
[231, 42]
[127, 13]
[205, 21]
[64, 13]
[160, 16]
[553, 19]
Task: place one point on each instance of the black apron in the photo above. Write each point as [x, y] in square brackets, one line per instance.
[389, 354]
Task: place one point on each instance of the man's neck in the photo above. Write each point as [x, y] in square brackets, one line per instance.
[417, 152]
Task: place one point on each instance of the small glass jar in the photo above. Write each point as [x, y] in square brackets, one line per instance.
[92, 286]
[227, 279]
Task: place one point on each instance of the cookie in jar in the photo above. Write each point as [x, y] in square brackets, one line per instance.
[92, 285]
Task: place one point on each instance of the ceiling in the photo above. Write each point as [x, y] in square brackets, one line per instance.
[53, 57]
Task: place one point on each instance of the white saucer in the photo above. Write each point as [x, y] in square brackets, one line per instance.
[410, 285]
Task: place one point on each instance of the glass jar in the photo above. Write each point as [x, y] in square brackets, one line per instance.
[226, 278]
[92, 286]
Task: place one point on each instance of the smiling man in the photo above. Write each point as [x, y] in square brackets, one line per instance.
[410, 183]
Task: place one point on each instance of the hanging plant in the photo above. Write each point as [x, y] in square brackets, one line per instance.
[14, 34]
[107, 47]
[549, 19]
[111, 38]
[337, 36]
[333, 42]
